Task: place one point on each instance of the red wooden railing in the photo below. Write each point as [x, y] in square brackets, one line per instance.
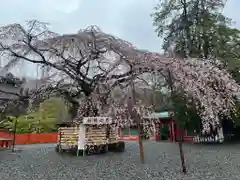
[39, 138]
[31, 138]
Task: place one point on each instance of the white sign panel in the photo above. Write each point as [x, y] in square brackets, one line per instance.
[81, 137]
[97, 120]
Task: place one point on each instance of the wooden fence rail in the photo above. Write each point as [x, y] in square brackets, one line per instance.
[31, 138]
[40, 138]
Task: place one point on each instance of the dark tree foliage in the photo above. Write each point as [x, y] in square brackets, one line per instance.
[197, 28]
[10, 79]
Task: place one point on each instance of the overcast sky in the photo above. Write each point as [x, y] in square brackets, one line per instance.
[127, 19]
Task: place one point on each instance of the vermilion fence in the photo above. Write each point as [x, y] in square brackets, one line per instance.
[36, 138]
[39, 138]
[31, 138]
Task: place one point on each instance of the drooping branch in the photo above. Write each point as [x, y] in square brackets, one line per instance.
[92, 58]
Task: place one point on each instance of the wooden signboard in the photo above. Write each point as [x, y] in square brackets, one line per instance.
[97, 120]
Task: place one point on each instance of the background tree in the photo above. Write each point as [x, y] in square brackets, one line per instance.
[197, 28]
[42, 119]
[13, 100]
[49, 113]
[185, 24]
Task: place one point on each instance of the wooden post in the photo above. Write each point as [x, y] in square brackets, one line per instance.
[14, 135]
[154, 129]
[173, 130]
[170, 131]
[160, 128]
[182, 154]
[170, 81]
[84, 151]
[138, 121]
[60, 140]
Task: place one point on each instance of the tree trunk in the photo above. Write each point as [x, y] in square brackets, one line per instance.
[187, 29]
[140, 144]
[184, 169]
[173, 95]
[137, 120]
[73, 110]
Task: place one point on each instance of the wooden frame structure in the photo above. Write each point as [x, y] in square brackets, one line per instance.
[93, 135]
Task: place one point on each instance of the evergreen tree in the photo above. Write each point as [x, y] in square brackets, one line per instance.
[197, 28]
[43, 119]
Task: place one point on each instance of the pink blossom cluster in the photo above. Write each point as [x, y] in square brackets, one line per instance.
[211, 88]
[202, 81]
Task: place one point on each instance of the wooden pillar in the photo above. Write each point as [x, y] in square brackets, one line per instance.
[157, 131]
[160, 127]
[14, 135]
[2, 144]
[120, 132]
[173, 130]
[154, 129]
[170, 131]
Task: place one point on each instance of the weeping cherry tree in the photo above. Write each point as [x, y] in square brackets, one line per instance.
[93, 63]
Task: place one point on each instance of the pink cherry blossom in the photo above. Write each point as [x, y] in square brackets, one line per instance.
[202, 81]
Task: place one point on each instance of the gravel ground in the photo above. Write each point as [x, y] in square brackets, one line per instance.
[204, 162]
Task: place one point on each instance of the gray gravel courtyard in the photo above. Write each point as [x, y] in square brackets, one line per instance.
[41, 162]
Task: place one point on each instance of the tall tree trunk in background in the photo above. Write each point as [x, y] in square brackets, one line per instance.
[205, 37]
[187, 29]
[188, 50]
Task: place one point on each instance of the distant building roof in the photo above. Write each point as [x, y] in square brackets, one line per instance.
[159, 115]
